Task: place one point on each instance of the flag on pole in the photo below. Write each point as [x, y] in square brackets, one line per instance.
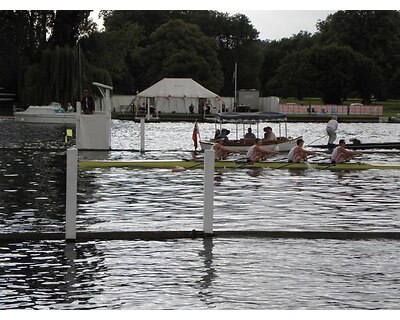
[194, 135]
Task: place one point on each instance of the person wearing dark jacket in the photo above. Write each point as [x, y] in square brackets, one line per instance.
[87, 102]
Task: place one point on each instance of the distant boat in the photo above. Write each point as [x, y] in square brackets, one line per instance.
[282, 143]
[361, 146]
[53, 113]
[395, 118]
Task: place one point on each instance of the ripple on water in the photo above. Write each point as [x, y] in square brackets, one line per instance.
[217, 273]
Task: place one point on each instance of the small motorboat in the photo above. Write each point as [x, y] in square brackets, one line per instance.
[53, 113]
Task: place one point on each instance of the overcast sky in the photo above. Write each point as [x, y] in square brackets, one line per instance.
[278, 24]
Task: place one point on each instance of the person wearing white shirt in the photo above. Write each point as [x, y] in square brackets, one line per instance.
[256, 152]
[297, 154]
[269, 135]
[331, 128]
[340, 154]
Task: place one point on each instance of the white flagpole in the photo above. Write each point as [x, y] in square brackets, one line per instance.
[235, 84]
[234, 99]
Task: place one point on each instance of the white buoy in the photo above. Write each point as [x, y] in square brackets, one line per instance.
[208, 215]
[71, 194]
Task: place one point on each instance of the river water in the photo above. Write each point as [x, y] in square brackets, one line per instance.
[219, 273]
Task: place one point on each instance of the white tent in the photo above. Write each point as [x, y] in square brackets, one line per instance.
[177, 94]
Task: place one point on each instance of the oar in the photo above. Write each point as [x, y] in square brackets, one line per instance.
[276, 148]
[245, 164]
[180, 169]
[290, 163]
[316, 140]
[334, 164]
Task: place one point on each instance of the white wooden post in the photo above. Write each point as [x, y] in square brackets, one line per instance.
[141, 134]
[148, 109]
[208, 216]
[71, 194]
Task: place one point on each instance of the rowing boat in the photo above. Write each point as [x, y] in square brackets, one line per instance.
[193, 164]
[362, 146]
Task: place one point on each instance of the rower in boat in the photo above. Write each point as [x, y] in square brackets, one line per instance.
[256, 152]
[221, 151]
[298, 154]
[340, 154]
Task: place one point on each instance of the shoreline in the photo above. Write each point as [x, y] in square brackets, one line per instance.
[211, 118]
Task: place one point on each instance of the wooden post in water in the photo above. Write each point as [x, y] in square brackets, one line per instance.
[71, 194]
[142, 135]
[208, 216]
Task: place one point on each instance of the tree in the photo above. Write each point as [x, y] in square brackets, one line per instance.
[331, 72]
[116, 51]
[237, 42]
[178, 49]
[275, 51]
[70, 26]
[25, 35]
[235, 38]
[56, 78]
[374, 34]
[291, 79]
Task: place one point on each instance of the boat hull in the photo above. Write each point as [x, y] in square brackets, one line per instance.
[282, 145]
[52, 113]
[67, 118]
[362, 146]
[172, 164]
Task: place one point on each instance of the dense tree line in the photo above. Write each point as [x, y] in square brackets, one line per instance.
[353, 54]
[40, 60]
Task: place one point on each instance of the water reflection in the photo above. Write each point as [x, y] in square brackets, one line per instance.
[255, 172]
[33, 190]
[209, 273]
[70, 274]
[298, 172]
[49, 274]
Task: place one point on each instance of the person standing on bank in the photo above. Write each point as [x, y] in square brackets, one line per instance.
[87, 102]
[331, 128]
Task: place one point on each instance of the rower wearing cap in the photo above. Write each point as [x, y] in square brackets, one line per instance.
[340, 154]
[220, 150]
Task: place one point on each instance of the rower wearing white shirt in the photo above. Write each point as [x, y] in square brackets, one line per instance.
[340, 154]
[256, 152]
[297, 154]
